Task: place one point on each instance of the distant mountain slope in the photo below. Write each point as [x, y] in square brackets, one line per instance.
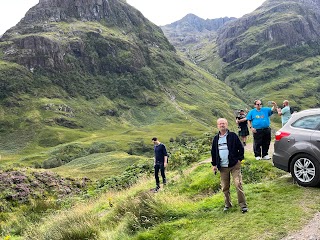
[273, 52]
[274, 26]
[70, 69]
[195, 37]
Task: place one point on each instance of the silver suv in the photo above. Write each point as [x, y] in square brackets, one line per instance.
[297, 147]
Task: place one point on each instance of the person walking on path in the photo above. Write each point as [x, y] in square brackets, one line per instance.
[227, 152]
[160, 162]
[259, 123]
[243, 126]
[285, 112]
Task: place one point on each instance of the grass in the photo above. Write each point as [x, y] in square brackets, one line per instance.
[98, 165]
[190, 207]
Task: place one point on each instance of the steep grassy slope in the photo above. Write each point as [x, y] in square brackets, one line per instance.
[278, 80]
[71, 75]
[188, 108]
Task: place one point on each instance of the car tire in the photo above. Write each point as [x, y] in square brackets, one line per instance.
[305, 170]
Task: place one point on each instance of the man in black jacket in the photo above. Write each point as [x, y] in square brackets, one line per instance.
[160, 162]
[227, 152]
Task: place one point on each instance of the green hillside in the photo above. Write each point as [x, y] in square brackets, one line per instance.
[271, 53]
[113, 81]
[82, 93]
[190, 207]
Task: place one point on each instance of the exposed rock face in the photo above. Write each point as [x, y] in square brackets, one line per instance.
[276, 23]
[53, 35]
[115, 12]
[192, 29]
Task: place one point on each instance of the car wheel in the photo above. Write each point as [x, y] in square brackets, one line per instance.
[305, 170]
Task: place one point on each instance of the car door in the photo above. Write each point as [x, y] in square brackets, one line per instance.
[315, 139]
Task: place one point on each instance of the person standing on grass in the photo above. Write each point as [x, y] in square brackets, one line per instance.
[227, 152]
[160, 162]
[285, 112]
[259, 123]
[243, 126]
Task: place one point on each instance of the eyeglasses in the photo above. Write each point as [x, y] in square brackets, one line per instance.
[259, 104]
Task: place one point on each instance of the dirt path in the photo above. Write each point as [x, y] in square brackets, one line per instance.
[311, 231]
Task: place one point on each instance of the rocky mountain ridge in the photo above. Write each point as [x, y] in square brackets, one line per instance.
[53, 31]
[275, 24]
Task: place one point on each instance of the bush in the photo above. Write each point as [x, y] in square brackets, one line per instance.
[257, 171]
[100, 147]
[140, 148]
[65, 154]
[52, 163]
[126, 179]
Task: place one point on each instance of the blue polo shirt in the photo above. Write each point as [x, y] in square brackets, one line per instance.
[260, 119]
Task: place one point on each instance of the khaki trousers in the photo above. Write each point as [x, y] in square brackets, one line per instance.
[235, 171]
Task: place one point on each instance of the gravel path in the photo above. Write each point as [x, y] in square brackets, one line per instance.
[311, 231]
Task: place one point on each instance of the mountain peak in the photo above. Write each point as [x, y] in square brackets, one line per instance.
[113, 12]
[193, 23]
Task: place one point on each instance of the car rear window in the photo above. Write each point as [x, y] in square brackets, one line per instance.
[308, 122]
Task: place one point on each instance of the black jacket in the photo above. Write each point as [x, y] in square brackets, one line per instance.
[235, 147]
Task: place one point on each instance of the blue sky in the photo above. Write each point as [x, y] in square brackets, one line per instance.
[160, 12]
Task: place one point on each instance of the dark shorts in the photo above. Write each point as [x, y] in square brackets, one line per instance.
[243, 132]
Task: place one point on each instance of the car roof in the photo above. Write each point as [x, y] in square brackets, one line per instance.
[308, 111]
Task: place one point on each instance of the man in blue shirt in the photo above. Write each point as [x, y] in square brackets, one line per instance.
[259, 123]
[160, 162]
[285, 112]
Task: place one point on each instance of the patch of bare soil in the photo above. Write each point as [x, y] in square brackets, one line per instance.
[311, 231]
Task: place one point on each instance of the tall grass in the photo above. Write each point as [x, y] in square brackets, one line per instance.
[76, 224]
[189, 207]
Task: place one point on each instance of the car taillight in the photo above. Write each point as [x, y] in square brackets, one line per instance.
[280, 134]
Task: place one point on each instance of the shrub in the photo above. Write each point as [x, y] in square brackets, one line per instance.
[257, 171]
[52, 163]
[126, 179]
[65, 154]
[100, 147]
[140, 148]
